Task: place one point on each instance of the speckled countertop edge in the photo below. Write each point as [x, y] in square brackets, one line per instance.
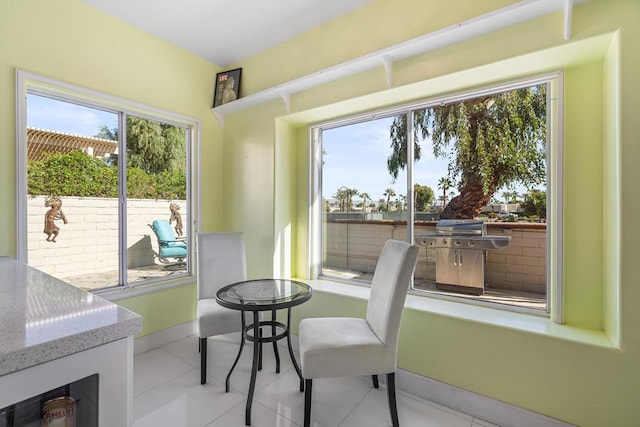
[65, 320]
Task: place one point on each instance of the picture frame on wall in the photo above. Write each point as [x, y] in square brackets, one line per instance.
[227, 87]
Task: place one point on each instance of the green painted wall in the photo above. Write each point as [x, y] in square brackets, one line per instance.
[163, 309]
[73, 42]
[579, 383]
[576, 382]
[583, 173]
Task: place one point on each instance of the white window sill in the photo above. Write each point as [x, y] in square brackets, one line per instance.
[526, 323]
[133, 291]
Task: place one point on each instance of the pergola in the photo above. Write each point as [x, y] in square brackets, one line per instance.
[40, 141]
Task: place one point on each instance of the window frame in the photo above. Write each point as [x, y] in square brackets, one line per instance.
[28, 82]
[554, 238]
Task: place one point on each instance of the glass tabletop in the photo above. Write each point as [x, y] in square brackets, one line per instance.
[263, 294]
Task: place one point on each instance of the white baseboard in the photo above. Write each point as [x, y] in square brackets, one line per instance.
[164, 337]
[485, 408]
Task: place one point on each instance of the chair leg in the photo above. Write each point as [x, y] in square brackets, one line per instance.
[374, 377]
[307, 402]
[391, 395]
[203, 360]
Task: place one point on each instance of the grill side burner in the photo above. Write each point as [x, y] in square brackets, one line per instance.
[460, 227]
[461, 251]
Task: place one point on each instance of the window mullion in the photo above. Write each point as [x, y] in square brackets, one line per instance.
[410, 168]
[122, 199]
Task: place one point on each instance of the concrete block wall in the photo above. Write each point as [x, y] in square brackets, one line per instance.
[88, 243]
[357, 246]
[521, 266]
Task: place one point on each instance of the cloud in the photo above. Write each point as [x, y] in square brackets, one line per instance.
[51, 114]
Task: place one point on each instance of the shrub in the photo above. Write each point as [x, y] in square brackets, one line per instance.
[78, 174]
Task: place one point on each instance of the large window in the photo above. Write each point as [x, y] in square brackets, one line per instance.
[482, 158]
[105, 194]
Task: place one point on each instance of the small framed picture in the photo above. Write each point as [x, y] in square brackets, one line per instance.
[227, 87]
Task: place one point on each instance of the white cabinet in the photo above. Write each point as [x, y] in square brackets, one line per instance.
[113, 362]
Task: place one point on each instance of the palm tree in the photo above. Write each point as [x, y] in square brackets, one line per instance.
[341, 196]
[507, 196]
[350, 192]
[403, 202]
[365, 196]
[389, 192]
[444, 184]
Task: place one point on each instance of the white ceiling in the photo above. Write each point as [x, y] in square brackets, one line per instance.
[226, 31]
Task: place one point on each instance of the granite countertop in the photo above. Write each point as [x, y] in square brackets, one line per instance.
[43, 318]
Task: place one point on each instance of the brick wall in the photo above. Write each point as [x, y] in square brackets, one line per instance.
[88, 243]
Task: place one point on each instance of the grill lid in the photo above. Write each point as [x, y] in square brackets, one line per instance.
[451, 227]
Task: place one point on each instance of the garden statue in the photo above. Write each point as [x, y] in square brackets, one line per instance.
[175, 216]
[50, 227]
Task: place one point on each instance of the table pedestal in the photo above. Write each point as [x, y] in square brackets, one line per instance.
[249, 333]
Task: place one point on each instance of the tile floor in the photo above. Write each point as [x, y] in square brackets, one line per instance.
[167, 392]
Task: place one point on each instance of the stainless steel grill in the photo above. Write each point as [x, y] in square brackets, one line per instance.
[461, 249]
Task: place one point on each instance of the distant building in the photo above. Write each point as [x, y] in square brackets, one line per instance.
[501, 207]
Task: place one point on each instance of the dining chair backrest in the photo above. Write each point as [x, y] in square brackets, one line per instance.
[389, 289]
[221, 261]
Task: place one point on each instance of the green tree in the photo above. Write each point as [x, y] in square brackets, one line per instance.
[107, 133]
[444, 184]
[155, 147]
[341, 196]
[507, 196]
[365, 196]
[535, 204]
[151, 146]
[350, 192]
[389, 192]
[423, 196]
[403, 202]
[492, 141]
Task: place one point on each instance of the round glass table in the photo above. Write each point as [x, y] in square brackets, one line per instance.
[263, 295]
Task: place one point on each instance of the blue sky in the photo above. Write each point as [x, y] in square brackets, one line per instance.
[51, 114]
[356, 157]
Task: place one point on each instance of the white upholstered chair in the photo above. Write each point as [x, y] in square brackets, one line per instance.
[335, 347]
[221, 261]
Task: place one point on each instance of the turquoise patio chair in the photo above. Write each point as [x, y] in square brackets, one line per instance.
[168, 246]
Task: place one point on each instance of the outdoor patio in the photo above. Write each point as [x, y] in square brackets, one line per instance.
[494, 295]
[135, 275]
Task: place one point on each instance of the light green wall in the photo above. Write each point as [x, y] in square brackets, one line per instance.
[586, 385]
[163, 309]
[611, 188]
[73, 42]
[583, 167]
[569, 380]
